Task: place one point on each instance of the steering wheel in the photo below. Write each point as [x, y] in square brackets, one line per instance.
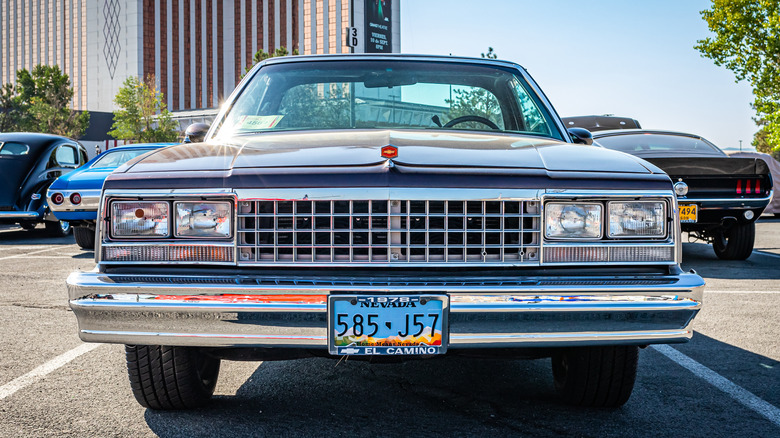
[477, 119]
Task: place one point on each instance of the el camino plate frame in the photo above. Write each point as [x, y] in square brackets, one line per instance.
[689, 213]
[388, 314]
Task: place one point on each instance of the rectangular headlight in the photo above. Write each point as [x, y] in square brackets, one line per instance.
[203, 219]
[572, 220]
[139, 219]
[637, 219]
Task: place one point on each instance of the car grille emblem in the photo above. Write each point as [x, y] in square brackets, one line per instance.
[389, 152]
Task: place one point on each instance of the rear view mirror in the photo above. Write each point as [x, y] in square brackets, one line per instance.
[196, 133]
[581, 135]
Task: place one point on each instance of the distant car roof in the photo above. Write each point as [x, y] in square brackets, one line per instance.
[36, 141]
[669, 147]
[600, 123]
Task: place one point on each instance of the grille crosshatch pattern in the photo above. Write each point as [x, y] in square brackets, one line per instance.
[388, 231]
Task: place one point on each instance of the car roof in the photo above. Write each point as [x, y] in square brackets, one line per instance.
[387, 56]
[616, 132]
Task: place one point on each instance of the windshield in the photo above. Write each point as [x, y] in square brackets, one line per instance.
[397, 94]
[658, 143]
[117, 158]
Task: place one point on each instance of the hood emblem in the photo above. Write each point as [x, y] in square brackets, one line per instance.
[389, 151]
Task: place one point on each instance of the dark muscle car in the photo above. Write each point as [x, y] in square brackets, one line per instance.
[29, 163]
[375, 206]
[720, 197]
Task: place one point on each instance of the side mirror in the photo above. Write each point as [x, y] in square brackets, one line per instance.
[195, 133]
[581, 135]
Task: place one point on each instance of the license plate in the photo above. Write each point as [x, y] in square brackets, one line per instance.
[688, 213]
[387, 324]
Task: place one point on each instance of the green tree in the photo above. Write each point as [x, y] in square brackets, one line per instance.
[746, 40]
[142, 115]
[44, 97]
[262, 55]
[11, 109]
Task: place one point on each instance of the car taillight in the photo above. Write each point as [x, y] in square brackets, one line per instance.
[751, 186]
[57, 198]
[75, 199]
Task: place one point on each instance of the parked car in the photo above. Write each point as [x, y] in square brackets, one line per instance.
[75, 197]
[774, 170]
[29, 163]
[601, 123]
[720, 197]
[345, 205]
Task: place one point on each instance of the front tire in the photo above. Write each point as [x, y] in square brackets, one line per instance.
[27, 225]
[85, 237]
[601, 377]
[57, 228]
[168, 378]
[735, 243]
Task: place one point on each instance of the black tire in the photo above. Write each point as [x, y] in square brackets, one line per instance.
[27, 225]
[601, 377]
[168, 378]
[736, 243]
[57, 228]
[85, 237]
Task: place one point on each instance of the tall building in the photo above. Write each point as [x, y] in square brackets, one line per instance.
[196, 49]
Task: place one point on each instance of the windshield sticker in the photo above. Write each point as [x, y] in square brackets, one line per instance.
[258, 122]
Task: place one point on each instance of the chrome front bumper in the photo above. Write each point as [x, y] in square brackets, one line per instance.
[265, 311]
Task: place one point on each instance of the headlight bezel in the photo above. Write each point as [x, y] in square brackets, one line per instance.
[109, 235]
[605, 201]
[112, 234]
[664, 220]
[231, 215]
[548, 204]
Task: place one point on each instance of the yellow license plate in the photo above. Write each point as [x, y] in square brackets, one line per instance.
[688, 213]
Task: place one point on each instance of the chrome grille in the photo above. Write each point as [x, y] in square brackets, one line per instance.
[388, 231]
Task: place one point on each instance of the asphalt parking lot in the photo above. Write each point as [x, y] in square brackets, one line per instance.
[724, 383]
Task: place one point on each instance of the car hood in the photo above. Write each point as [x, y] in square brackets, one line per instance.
[83, 179]
[333, 149]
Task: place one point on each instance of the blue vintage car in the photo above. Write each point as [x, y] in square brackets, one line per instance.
[75, 196]
[29, 163]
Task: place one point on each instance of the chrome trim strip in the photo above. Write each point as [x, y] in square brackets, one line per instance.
[389, 193]
[84, 284]
[455, 341]
[19, 215]
[565, 339]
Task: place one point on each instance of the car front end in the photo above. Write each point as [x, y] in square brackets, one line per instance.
[279, 239]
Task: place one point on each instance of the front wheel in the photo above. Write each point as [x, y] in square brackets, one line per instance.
[168, 378]
[57, 228]
[735, 243]
[85, 237]
[600, 377]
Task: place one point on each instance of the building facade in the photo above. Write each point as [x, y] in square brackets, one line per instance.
[197, 50]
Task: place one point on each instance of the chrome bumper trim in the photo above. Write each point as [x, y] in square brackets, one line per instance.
[90, 200]
[113, 308]
[19, 215]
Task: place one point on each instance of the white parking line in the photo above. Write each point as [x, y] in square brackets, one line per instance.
[736, 392]
[760, 292]
[28, 253]
[40, 372]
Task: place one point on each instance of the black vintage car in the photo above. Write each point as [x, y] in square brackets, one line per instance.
[720, 197]
[29, 163]
[381, 207]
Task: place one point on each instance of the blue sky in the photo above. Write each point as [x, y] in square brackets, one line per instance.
[628, 58]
